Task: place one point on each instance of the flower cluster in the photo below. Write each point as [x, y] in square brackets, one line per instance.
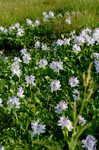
[1, 105]
[1, 148]
[96, 61]
[25, 56]
[56, 66]
[55, 85]
[82, 121]
[38, 128]
[20, 92]
[48, 15]
[15, 67]
[61, 107]
[89, 143]
[73, 81]
[31, 23]
[45, 83]
[30, 79]
[43, 63]
[65, 122]
[13, 102]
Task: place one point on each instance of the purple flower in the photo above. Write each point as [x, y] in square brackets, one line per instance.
[44, 47]
[82, 121]
[26, 58]
[43, 63]
[13, 102]
[55, 85]
[97, 65]
[30, 79]
[68, 20]
[37, 44]
[76, 48]
[1, 148]
[59, 42]
[65, 122]
[76, 94]
[37, 128]
[56, 66]
[89, 143]
[20, 92]
[23, 51]
[62, 106]
[1, 105]
[73, 81]
[15, 68]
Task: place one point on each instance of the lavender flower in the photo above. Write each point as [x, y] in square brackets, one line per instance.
[82, 121]
[37, 44]
[43, 63]
[20, 92]
[89, 143]
[26, 58]
[48, 15]
[76, 94]
[17, 25]
[73, 81]
[76, 48]
[17, 59]
[29, 21]
[15, 68]
[68, 20]
[13, 102]
[86, 34]
[96, 56]
[20, 32]
[30, 80]
[1, 105]
[44, 47]
[51, 14]
[65, 122]
[55, 85]
[79, 40]
[11, 28]
[96, 35]
[96, 61]
[1, 148]
[67, 41]
[59, 42]
[36, 23]
[2, 28]
[23, 51]
[37, 128]
[97, 66]
[62, 106]
[56, 66]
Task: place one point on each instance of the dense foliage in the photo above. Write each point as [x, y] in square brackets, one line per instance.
[49, 90]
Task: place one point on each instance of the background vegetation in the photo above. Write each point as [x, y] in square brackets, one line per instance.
[12, 11]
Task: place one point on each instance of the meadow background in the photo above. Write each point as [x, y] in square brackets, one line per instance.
[12, 11]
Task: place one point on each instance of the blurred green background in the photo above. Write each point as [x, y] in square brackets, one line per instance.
[12, 11]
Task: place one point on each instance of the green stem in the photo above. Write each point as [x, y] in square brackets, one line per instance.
[65, 133]
[74, 116]
[82, 130]
[73, 143]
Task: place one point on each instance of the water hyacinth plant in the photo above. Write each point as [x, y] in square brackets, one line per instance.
[49, 91]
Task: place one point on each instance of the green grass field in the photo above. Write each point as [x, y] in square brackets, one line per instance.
[12, 11]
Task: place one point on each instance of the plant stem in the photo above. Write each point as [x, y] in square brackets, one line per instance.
[88, 84]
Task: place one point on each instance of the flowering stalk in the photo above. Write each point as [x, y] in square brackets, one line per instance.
[88, 91]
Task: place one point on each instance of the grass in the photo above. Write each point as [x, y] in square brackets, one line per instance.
[12, 11]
